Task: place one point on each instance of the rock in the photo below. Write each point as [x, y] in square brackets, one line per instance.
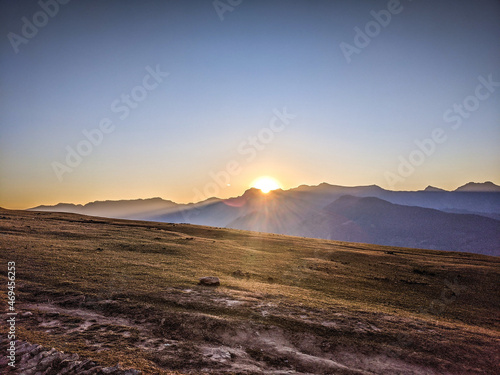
[22, 349]
[132, 372]
[221, 355]
[209, 281]
[37, 360]
[110, 370]
[45, 363]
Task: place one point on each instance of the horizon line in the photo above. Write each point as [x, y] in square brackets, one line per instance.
[249, 189]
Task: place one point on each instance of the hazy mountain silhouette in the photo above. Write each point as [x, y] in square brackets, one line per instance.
[373, 220]
[122, 209]
[467, 219]
[485, 187]
[433, 188]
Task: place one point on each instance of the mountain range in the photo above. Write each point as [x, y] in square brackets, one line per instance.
[466, 219]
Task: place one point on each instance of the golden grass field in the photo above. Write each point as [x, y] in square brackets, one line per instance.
[118, 291]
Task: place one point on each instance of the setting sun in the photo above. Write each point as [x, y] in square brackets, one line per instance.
[266, 184]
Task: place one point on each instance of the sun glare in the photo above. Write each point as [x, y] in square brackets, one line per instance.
[266, 184]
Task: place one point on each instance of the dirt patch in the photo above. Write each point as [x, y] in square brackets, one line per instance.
[190, 341]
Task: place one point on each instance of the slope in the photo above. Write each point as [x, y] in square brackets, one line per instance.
[126, 291]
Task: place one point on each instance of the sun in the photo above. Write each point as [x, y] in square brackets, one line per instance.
[266, 184]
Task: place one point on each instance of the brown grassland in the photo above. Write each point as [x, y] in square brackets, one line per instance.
[118, 291]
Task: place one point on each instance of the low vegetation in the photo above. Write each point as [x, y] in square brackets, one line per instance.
[117, 291]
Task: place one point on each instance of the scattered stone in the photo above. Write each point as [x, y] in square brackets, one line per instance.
[209, 281]
[131, 372]
[35, 359]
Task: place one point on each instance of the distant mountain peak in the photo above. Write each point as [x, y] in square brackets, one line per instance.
[252, 192]
[248, 195]
[138, 200]
[59, 205]
[433, 189]
[479, 187]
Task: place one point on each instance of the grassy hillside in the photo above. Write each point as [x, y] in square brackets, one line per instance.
[126, 291]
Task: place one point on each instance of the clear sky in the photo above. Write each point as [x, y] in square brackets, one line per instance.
[302, 91]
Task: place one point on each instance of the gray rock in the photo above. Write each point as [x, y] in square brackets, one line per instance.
[110, 370]
[131, 372]
[45, 363]
[37, 360]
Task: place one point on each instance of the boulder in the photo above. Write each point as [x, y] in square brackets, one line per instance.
[209, 281]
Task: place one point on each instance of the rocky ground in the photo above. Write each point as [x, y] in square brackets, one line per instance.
[34, 359]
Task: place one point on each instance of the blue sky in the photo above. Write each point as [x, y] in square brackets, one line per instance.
[352, 122]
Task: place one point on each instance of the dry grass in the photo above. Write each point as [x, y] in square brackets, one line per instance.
[360, 305]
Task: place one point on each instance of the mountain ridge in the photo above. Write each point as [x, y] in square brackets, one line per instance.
[290, 212]
[487, 186]
[484, 187]
[377, 221]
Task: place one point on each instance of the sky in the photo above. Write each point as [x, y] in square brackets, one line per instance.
[106, 100]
